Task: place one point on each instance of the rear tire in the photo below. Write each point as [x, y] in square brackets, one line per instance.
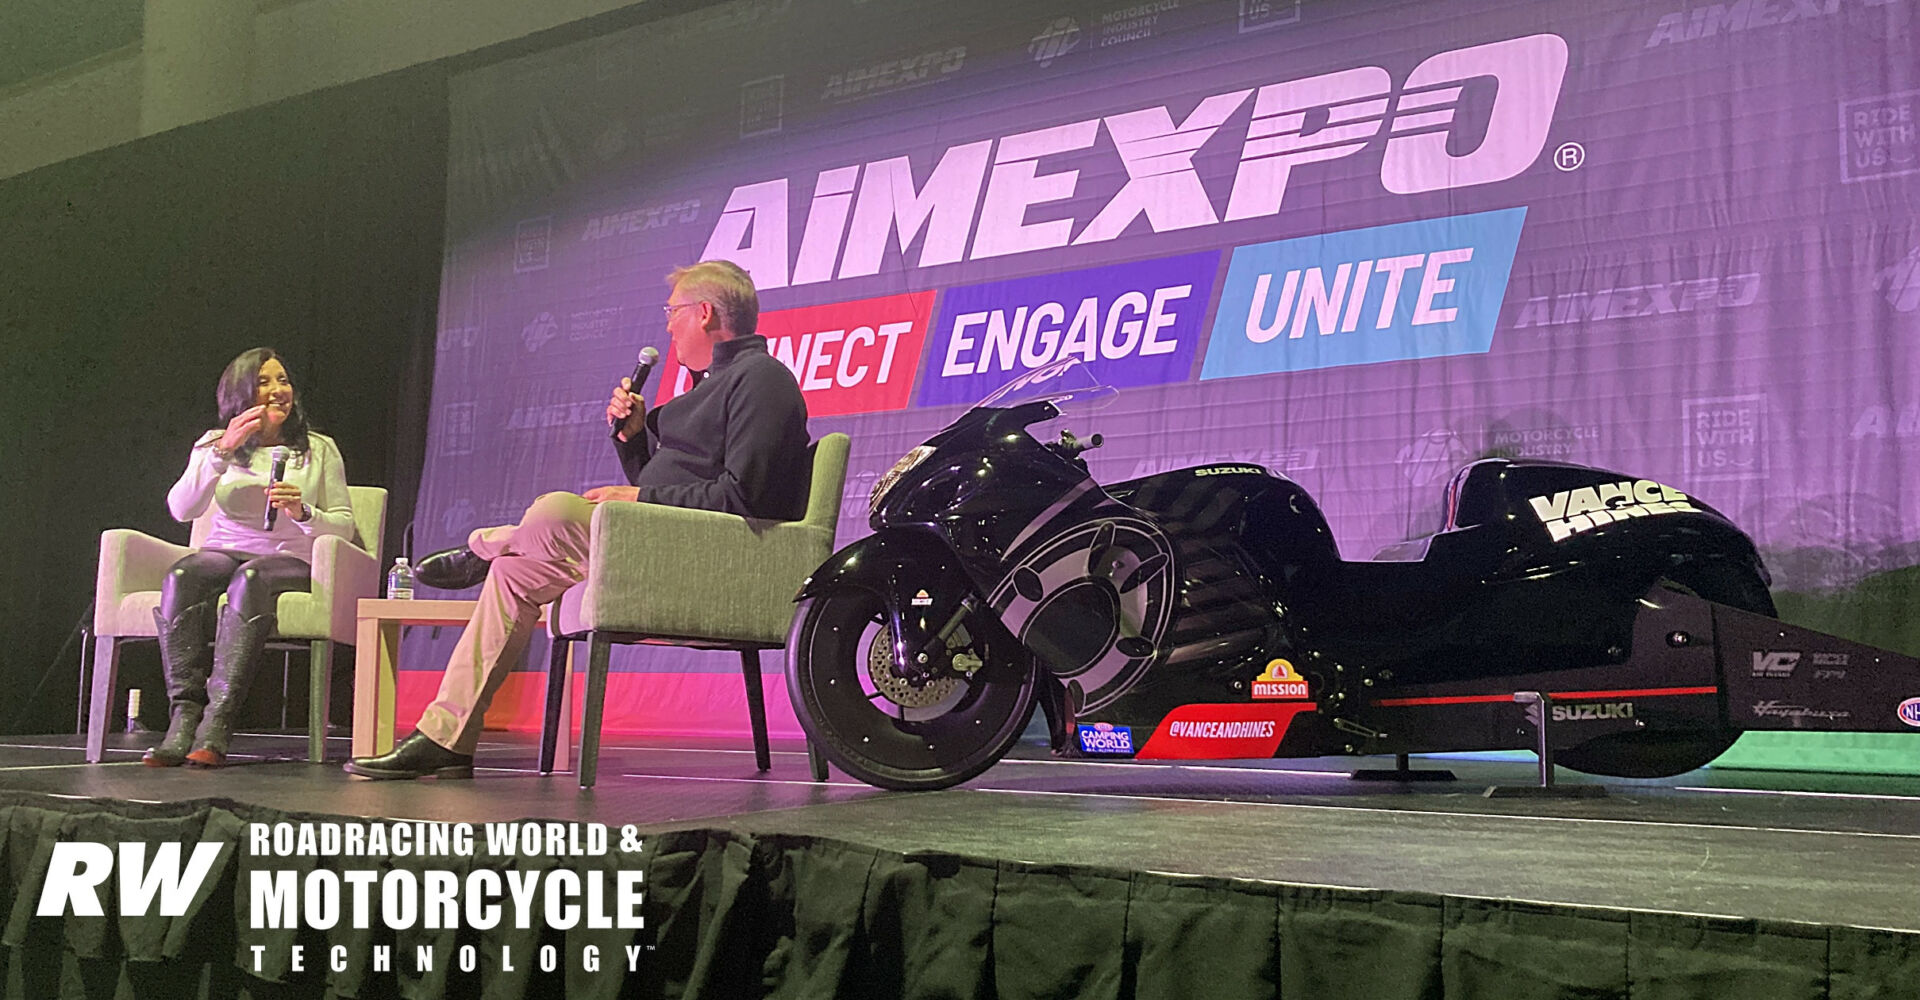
[1665, 753]
[882, 730]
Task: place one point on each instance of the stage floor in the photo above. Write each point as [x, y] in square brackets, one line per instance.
[1818, 848]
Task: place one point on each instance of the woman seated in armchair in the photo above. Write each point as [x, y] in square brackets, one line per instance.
[246, 556]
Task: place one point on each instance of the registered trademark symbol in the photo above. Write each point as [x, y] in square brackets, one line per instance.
[1569, 156]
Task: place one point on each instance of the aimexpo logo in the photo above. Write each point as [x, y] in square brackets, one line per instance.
[973, 201]
[1422, 289]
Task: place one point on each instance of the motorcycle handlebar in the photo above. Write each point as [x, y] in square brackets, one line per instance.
[1070, 446]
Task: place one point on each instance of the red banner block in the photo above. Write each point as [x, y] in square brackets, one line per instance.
[849, 357]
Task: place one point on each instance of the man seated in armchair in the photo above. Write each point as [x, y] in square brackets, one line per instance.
[736, 442]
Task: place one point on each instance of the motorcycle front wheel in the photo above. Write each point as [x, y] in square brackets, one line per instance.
[1665, 754]
[886, 731]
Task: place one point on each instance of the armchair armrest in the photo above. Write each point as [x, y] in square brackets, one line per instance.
[673, 571]
[343, 573]
[130, 562]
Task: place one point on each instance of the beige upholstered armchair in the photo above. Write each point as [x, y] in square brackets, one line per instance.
[127, 590]
[680, 577]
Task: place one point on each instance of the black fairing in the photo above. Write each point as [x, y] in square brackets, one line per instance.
[985, 486]
[1248, 543]
[1560, 599]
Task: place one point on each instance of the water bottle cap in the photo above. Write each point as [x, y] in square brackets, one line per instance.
[399, 560]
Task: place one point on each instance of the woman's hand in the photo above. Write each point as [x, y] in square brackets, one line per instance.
[623, 407]
[286, 496]
[241, 428]
[603, 494]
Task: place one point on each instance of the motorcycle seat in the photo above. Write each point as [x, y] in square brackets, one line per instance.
[1474, 497]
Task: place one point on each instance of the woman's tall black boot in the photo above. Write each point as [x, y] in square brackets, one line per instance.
[236, 653]
[184, 659]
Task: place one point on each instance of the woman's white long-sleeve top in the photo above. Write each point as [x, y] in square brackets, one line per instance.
[238, 493]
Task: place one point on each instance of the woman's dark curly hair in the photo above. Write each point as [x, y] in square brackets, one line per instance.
[239, 390]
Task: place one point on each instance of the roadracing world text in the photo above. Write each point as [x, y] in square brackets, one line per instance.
[496, 875]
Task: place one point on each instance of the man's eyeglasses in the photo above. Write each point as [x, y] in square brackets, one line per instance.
[668, 310]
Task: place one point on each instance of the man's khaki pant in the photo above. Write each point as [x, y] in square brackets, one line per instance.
[534, 562]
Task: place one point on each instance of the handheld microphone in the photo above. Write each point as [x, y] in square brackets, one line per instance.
[642, 367]
[279, 454]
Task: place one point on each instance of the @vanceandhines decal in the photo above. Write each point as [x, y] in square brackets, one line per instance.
[1570, 512]
[849, 357]
[1422, 289]
[1279, 682]
[1132, 324]
[1219, 732]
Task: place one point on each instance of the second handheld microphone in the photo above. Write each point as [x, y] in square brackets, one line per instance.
[642, 367]
[279, 454]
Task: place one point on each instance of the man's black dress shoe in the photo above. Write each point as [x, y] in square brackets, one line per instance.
[451, 569]
[415, 757]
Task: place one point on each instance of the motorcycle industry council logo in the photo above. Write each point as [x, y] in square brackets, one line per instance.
[1279, 682]
[150, 879]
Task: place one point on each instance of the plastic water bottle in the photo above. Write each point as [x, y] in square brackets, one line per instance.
[400, 580]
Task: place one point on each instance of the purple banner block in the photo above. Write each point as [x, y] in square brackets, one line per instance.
[1133, 324]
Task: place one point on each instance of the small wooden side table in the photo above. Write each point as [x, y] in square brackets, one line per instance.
[376, 657]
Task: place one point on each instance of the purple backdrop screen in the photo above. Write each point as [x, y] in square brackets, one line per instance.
[1358, 243]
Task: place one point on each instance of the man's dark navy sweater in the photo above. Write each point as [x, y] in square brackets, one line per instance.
[736, 442]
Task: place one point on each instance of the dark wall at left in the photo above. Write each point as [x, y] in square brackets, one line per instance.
[128, 279]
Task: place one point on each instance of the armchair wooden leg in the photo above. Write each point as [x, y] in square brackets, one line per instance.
[319, 698]
[106, 665]
[756, 708]
[86, 679]
[556, 702]
[817, 760]
[598, 649]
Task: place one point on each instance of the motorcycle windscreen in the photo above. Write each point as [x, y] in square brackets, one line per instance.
[1067, 383]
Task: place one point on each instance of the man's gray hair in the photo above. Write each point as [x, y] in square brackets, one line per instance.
[723, 285]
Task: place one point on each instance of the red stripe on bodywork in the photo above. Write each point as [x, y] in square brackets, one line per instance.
[1478, 699]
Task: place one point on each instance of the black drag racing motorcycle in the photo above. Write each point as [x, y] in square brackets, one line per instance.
[1206, 613]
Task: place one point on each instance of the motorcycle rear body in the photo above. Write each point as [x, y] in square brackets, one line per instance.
[1206, 613]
